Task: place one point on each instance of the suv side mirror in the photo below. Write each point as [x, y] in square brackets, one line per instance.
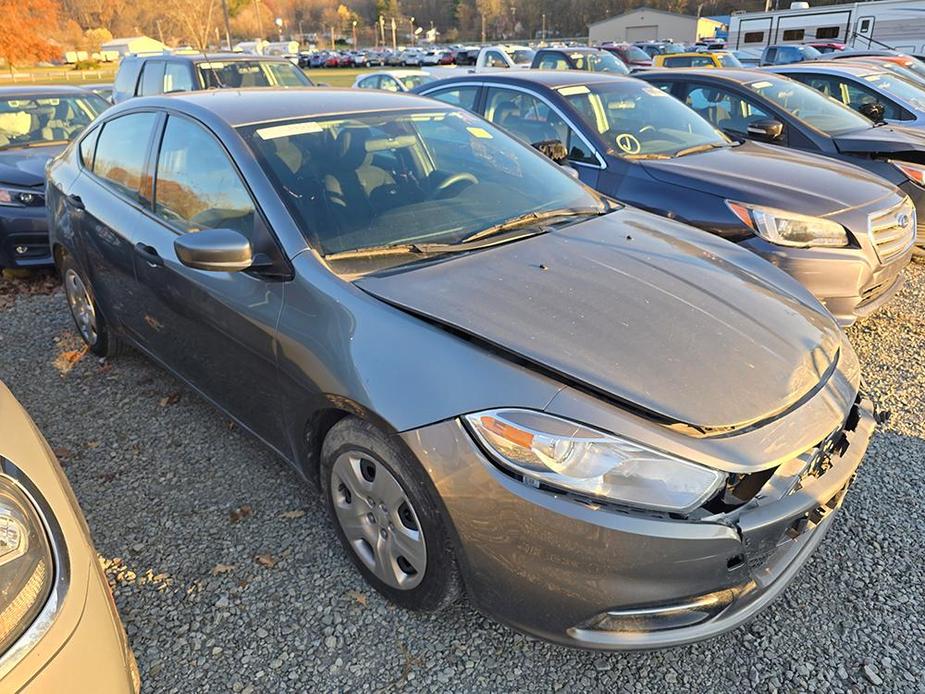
[215, 250]
[766, 129]
[554, 149]
[874, 110]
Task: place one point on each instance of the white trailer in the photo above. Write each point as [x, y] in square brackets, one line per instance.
[878, 24]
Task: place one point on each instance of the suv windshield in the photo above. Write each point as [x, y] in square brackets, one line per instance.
[639, 121]
[251, 73]
[522, 56]
[728, 60]
[912, 93]
[810, 106]
[598, 61]
[396, 178]
[30, 121]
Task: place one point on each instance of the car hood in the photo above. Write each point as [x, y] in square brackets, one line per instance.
[675, 323]
[885, 138]
[25, 166]
[773, 176]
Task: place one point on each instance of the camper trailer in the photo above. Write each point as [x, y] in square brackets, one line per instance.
[878, 24]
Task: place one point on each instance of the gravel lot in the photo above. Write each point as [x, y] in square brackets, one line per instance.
[228, 576]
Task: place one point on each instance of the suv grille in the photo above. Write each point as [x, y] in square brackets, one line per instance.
[892, 231]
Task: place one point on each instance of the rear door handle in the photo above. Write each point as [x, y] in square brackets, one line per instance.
[76, 202]
[150, 254]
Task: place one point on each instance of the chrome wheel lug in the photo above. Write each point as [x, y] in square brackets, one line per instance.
[371, 518]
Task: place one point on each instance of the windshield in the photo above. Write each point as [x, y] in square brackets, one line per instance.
[671, 48]
[636, 54]
[729, 60]
[639, 121]
[522, 56]
[811, 106]
[29, 121]
[897, 86]
[252, 73]
[395, 178]
[599, 61]
[412, 81]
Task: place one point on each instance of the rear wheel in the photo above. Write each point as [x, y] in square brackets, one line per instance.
[387, 517]
[90, 323]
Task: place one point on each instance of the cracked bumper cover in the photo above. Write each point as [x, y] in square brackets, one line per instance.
[555, 567]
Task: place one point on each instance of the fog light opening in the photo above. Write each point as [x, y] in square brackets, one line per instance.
[688, 613]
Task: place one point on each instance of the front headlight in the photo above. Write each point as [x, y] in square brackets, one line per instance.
[26, 565]
[914, 172]
[20, 197]
[560, 453]
[789, 228]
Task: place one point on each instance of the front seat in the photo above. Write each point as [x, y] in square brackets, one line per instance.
[355, 178]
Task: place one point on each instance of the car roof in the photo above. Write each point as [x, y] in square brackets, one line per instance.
[572, 49]
[208, 57]
[547, 78]
[736, 75]
[839, 68]
[41, 90]
[244, 106]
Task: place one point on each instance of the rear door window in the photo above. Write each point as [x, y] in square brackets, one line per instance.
[152, 78]
[725, 109]
[122, 151]
[464, 97]
[177, 78]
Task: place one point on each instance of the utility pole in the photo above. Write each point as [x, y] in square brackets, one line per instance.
[394, 39]
[412, 32]
[332, 37]
[483, 27]
[227, 23]
[259, 20]
[544, 27]
[354, 34]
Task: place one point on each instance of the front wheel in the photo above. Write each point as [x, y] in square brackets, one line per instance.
[93, 328]
[387, 517]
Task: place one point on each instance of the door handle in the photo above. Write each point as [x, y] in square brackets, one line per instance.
[150, 254]
[76, 202]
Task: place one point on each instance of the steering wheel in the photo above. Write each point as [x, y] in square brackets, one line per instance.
[442, 188]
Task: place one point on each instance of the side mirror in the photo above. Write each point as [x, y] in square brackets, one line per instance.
[766, 129]
[874, 110]
[554, 149]
[215, 250]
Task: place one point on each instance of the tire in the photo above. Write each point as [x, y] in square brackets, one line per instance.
[90, 323]
[359, 463]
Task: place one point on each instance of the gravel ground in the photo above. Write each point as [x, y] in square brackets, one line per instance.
[228, 576]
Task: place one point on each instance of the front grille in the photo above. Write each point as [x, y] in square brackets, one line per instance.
[892, 231]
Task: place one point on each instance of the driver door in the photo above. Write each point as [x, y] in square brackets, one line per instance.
[217, 330]
[728, 110]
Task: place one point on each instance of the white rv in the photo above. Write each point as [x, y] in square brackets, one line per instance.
[878, 24]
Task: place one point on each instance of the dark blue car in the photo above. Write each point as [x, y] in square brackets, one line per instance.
[807, 214]
[36, 123]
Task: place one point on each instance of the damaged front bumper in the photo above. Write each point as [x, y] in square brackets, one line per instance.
[582, 574]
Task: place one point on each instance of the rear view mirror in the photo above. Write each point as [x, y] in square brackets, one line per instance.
[766, 129]
[874, 110]
[554, 149]
[215, 250]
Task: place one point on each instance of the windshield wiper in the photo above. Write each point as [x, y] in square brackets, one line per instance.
[528, 219]
[699, 148]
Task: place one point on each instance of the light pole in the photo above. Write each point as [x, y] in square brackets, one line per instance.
[412, 31]
[279, 27]
[227, 23]
[354, 34]
[544, 27]
[394, 38]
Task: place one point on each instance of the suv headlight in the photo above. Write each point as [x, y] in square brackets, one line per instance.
[914, 172]
[789, 228]
[26, 564]
[563, 454]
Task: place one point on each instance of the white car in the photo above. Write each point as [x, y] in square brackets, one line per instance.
[412, 56]
[431, 57]
[393, 80]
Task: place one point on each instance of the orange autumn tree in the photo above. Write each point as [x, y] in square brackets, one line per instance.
[25, 28]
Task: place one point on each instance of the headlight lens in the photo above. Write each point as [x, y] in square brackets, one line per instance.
[915, 172]
[17, 197]
[563, 454]
[26, 565]
[789, 228]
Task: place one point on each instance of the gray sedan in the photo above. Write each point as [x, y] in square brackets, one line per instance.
[614, 430]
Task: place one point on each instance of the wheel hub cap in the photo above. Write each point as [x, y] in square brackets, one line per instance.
[378, 520]
[78, 298]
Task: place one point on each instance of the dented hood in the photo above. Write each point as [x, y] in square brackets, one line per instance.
[673, 322]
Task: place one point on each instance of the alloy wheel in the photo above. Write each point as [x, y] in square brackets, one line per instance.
[81, 305]
[378, 519]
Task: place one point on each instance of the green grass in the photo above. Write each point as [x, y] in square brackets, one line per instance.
[334, 77]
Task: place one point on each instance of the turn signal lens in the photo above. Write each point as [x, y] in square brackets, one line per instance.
[914, 172]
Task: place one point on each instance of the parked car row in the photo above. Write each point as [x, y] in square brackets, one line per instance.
[602, 311]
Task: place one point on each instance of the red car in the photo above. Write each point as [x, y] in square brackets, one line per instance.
[333, 60]
[447, 58]
[345, 60]
[632, 56]
[828, 46]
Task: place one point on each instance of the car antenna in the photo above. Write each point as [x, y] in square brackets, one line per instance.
[218, 79]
